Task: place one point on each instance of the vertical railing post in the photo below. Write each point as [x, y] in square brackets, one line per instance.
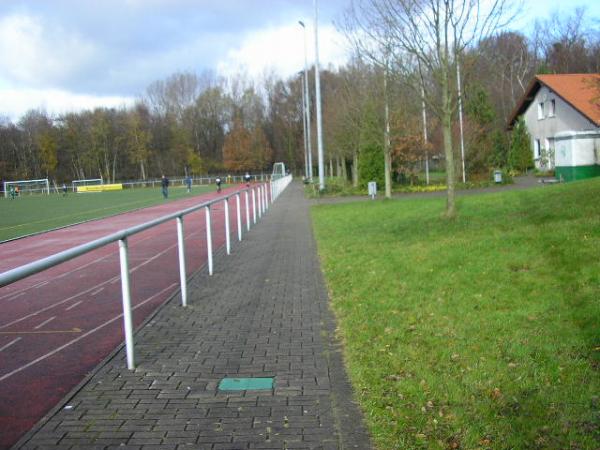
[254, 205]
[182, 270]
[239, 217]
[258, 193]
[209, 240]
[271, 190]
[126, 297]
[227, 237]
[247, 212]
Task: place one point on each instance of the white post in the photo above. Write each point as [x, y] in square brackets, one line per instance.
[425, 132]
[258, 193]
[209, 241]
[182, 271]
[318, 105]
[271, 190]
[239, 217]
[254, 205]
[126, 297]
[460, 122]
[247, 212]
[227, 237]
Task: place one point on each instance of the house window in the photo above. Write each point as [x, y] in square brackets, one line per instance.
[540, 110]
[537, 149]
[552, 108]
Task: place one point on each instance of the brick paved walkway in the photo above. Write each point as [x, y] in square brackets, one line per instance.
[263, 313]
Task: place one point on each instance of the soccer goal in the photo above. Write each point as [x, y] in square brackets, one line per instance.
[21, 187]
[88, 182]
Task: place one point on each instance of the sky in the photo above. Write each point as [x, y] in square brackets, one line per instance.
[68, 55]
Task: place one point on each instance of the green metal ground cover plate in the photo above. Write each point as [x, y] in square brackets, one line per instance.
[245, 384]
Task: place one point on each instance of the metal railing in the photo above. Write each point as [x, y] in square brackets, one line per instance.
[262, 196]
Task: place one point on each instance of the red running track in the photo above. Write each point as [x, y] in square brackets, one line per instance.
[57, 325]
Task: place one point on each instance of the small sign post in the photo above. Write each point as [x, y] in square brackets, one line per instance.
[372, 189]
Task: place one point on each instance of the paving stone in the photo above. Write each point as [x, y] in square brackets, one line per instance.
[263, 313]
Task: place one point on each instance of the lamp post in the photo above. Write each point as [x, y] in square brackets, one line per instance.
[460, 121]
[306, 106]
[318, 100]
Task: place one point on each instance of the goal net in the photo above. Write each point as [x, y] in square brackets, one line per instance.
[88, 182]
[21, 187]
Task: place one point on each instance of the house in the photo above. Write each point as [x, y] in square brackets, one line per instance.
[562, 115]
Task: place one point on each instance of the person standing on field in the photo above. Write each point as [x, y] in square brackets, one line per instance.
[165, 186]
[188, 183]
[64, 189]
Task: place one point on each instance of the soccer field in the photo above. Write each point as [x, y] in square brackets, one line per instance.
[35, 213]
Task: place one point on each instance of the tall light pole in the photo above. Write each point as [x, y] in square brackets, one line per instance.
[460, 121]
[306, 97]
[304, 126]
[318, 100]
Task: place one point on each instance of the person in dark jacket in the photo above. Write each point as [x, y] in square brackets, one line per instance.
[218, 181]
[165, 186]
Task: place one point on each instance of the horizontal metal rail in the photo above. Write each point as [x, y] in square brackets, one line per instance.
[257, 191]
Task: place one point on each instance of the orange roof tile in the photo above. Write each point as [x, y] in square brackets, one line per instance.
[580, 90]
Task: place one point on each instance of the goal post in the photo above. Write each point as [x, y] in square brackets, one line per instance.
[41, 186]
[87, 182]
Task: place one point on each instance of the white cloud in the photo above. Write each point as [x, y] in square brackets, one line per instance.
[14, 103]
[35, 53]
[281, 49]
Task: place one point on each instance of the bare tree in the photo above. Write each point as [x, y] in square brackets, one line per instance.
[435, 33]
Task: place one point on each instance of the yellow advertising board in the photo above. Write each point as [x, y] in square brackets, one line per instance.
[100, 188]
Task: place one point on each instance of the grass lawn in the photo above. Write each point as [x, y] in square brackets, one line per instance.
[33, 213]
[482, 332]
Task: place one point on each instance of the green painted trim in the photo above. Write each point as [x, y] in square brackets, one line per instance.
[245, 384]
[577, 172]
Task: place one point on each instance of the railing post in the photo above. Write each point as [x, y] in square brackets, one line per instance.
[209, 240]
[227, 237]
[239, 217]
[182, 270]
[247, 212]
[254, 205]
[258, 193]
[126, 297]
[265, 197]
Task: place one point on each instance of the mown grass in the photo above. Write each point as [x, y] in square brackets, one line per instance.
[482, 332]
[34, 213]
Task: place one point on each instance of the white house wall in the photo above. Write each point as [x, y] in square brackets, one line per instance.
[566, 118]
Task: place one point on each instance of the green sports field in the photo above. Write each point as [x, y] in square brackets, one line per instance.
[34, 213]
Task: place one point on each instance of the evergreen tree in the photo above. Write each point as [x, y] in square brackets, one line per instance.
[520, 156]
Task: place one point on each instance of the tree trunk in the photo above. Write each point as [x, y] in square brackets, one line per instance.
[448, 151]
[355, 169]
[387, 157]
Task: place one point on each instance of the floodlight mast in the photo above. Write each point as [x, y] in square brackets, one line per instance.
[318, 100]
[307, 107]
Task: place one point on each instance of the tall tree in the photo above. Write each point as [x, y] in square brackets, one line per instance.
[436, 33]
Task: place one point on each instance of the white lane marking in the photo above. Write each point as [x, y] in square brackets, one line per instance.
[68, 344]
[16, 297]
[14, 341]
[74, 305]
[93, 288]
[51, 306]
[42, 284]
[44, 323]
[69, 272]
[96, 291]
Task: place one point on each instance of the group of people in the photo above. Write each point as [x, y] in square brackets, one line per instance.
[188, 182]
[14, 192]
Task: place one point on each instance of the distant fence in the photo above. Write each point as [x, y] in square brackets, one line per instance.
[261, 197]
[156, 182]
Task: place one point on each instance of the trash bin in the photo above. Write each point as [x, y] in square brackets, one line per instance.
[372, 189]
[498, 176]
